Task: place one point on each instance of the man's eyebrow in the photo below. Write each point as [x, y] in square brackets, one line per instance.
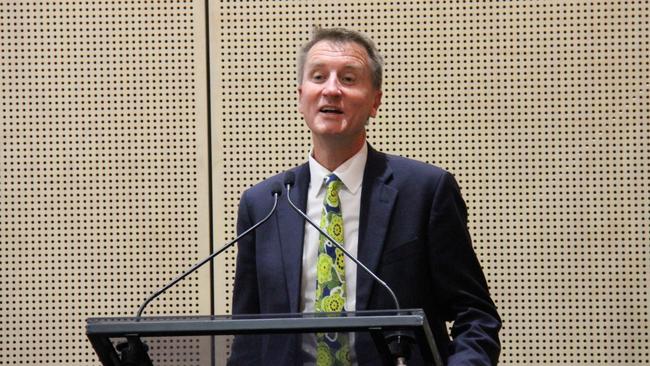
[317, 65]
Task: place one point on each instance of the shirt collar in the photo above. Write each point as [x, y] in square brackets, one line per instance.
[350, 172]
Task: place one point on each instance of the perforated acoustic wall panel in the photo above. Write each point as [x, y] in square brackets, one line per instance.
[540, 109]
[103, 172]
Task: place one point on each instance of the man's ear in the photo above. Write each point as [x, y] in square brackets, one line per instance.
[300, 99]
[376, 103]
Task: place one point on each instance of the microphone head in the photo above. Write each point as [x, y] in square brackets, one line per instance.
[289, 179]
[276, 189]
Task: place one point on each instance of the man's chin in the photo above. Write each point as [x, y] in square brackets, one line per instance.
[330, 118]
[338, 136]
[328, 126]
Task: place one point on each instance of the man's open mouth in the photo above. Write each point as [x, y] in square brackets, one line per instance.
[332, 110]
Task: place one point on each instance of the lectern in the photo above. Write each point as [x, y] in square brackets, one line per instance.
[125, 341]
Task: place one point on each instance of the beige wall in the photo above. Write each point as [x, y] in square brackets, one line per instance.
[540, 109]
[103, 172]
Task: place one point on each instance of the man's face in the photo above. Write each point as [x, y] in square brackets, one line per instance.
[336, 96]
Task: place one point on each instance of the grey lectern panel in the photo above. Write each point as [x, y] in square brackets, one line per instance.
[137, 341]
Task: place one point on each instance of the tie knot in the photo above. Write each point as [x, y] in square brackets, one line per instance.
[332, 187]
[331, 178]
[333, 182]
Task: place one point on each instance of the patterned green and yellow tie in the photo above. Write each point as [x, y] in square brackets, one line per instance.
[331, 348]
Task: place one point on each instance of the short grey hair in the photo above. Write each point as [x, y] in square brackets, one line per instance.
[342, 35]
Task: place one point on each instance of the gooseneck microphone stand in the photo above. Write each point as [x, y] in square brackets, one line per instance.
[276, 190]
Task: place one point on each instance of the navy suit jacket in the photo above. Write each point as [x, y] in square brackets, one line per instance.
[412, 234]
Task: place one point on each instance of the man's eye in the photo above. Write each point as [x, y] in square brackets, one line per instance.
[348, 79]
[317, 77]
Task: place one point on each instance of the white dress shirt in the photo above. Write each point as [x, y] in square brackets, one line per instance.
[351, 175]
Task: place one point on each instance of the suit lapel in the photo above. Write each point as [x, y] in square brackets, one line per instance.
[291, 227]
[377, 201]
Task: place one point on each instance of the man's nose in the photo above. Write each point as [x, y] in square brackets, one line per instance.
[332, 87]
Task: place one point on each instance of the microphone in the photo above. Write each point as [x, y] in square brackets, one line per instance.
[289, 181]
[276, 191]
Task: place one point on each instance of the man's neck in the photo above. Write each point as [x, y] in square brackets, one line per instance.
[332, 155]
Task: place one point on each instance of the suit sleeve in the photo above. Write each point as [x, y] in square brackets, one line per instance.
[459, 284]
[245, 348]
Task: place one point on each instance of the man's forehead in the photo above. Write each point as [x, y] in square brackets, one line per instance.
[324, 51]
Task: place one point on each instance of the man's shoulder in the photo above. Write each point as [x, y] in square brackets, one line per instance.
[266, 186]
[412, 168]
[421, 181]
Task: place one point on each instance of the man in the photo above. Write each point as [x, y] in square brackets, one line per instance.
[403, 219]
